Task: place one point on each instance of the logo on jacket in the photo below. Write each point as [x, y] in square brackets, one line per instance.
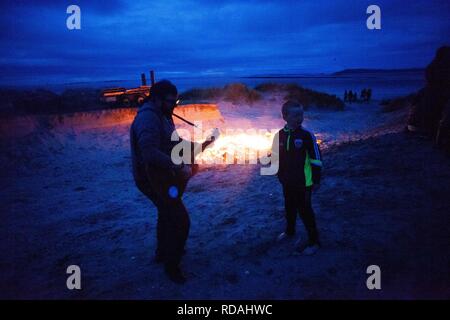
[298, 143]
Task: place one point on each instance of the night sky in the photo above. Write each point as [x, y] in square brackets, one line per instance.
[119, 39]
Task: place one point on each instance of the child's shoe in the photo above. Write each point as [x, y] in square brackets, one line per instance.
[283, 236]
[308, 250]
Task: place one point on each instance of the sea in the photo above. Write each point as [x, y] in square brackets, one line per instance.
[384, 85]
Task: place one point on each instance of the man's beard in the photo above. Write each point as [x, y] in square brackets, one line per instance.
[168, 112]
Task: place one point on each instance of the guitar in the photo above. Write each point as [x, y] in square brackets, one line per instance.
[170, 184]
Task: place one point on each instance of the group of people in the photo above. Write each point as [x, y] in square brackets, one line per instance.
[163, 181]
[365, 96]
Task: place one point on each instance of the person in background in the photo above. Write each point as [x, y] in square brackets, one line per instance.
[363, 94]
[369, 94]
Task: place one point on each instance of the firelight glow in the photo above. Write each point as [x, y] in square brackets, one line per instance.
[238, 148]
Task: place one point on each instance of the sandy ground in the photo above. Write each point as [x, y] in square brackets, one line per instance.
[68, 197]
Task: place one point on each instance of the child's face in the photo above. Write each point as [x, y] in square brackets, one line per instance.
[294, 117]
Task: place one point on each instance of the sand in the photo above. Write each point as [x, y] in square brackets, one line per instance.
[68, 198]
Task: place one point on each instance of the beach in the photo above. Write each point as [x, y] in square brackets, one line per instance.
[69, 199]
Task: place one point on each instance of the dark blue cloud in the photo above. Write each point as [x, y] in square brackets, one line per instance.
[121, 38]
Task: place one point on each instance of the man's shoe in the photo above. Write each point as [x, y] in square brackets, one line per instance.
[175, 274]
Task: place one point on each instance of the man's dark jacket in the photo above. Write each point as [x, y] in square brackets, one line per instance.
[150, 138]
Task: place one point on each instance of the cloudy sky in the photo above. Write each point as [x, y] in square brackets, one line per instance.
[121, 38]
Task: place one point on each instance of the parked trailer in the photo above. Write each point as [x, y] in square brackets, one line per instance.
[135, 97]
[126, 97]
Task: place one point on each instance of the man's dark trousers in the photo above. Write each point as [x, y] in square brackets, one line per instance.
[172, 227]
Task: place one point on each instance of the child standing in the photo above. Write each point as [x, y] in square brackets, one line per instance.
[299, 171]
